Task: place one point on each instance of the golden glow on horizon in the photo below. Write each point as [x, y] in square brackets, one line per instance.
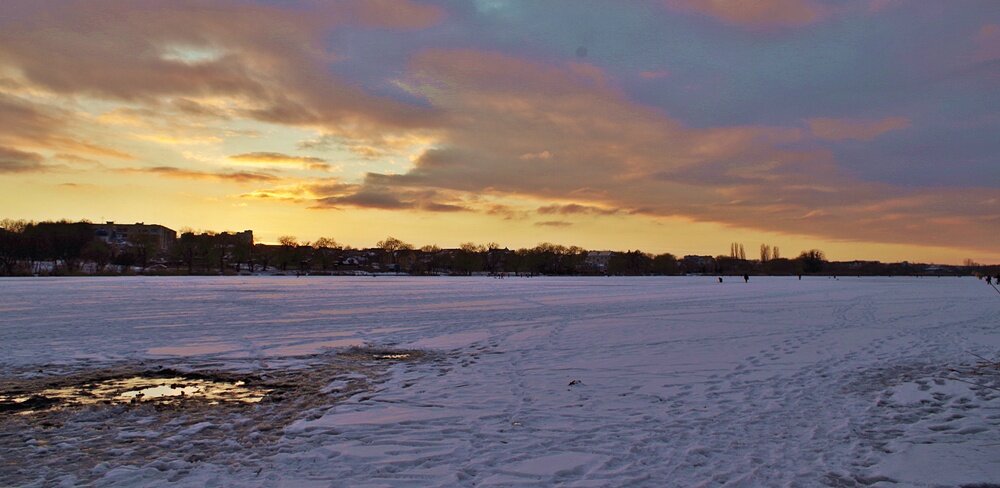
[207, 205]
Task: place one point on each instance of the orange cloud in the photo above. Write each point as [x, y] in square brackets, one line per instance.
[269, 63]
[332, 194]
[390, 199]
[74, 159]
[25, 124]
[865, 130]
[608, 152]
[755, 13]
[14, 161]
[174, 172]
[538, 155]
[505, 211]
[273, 157]
[576, 209]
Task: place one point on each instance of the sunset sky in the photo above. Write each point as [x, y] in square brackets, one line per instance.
[867, 128]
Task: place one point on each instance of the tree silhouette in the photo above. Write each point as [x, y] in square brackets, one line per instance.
[812, 260]
[765, 253]
[391, 245]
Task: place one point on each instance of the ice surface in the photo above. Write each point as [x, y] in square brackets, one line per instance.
[681, 381]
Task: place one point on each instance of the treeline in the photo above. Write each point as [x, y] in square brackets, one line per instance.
[394, 255]
[61, 248]
[23, 244]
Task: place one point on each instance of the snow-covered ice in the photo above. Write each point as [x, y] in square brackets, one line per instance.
[534, 382]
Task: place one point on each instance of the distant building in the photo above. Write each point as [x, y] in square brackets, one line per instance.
[245, 237]
[496, 259]
[698, 264]
[130, 234]
[598, 260]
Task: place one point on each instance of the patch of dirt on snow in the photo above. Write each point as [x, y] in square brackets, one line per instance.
[76, 425]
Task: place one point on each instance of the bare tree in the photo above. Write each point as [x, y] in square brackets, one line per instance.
[391, 244]
[289, 245]
[471, 247]
[12, 225]
[326, 242]
[812, 260]
[736, 251]
[765, 253]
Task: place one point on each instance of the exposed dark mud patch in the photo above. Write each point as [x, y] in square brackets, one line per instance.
[226, 411]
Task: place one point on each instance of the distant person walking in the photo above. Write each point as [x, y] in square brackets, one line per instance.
[746, 278]
[720, 279]
[989, 281]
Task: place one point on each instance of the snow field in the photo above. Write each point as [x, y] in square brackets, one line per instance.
[675, 381]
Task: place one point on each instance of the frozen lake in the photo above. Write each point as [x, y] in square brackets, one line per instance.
[576, 381]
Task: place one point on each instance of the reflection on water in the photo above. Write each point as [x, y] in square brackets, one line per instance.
[154, 392]
[134, 390]
[391, 356]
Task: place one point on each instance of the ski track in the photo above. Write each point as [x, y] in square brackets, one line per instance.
[676, 381]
